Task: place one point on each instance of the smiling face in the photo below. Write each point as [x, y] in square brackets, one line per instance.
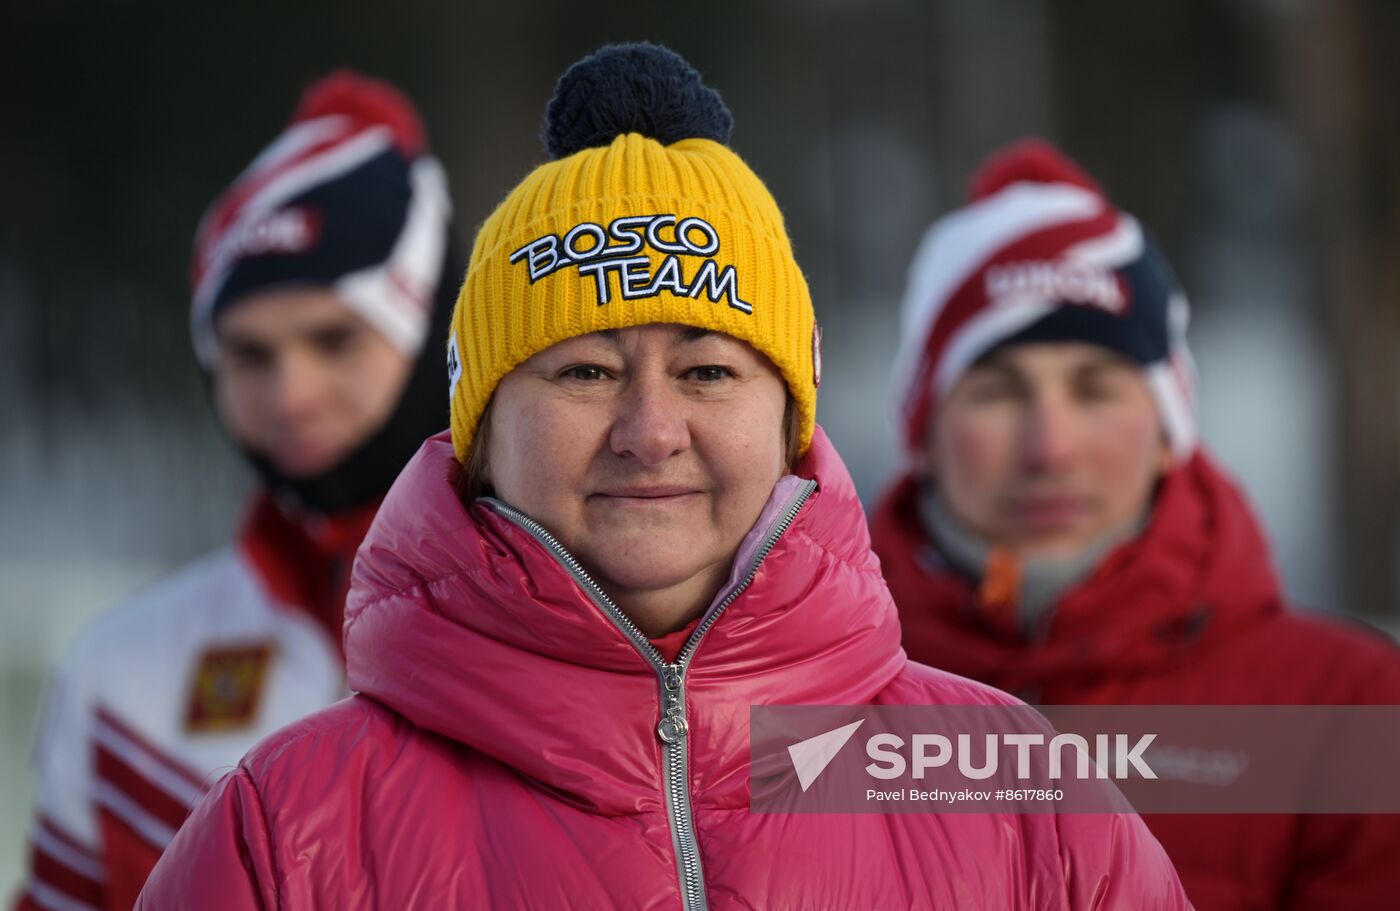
[302, 380]
[1046, 447]
[649, 452]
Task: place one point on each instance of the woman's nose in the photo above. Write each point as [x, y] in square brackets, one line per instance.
[651, 424]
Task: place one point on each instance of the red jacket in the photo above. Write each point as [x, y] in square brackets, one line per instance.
[504, 749]
[1190, 612]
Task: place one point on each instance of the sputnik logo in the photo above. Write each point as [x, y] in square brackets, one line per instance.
[810, 757]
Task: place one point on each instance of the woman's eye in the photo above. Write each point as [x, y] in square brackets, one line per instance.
[585, 372]
[710, 373]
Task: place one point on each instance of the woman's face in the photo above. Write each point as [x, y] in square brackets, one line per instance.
[649, 452]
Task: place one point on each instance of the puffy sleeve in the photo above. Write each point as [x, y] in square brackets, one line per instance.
[1350, 860]
[222, 858]
[1113, 863]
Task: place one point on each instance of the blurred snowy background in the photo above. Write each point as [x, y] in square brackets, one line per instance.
[1257, 138]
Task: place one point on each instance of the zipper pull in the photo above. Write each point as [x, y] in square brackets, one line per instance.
[672, 727]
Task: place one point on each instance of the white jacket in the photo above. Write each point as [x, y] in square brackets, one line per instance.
[156, 699]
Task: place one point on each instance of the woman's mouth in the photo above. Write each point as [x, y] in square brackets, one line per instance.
[648, 495]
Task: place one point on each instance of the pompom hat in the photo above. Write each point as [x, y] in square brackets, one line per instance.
[1039, 254]
[644, 216]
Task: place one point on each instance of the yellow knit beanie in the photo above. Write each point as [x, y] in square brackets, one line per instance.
[645, 217]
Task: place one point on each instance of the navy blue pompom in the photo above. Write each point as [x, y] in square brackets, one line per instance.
[632, 88]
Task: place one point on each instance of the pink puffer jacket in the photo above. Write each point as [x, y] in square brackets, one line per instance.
[516, 744]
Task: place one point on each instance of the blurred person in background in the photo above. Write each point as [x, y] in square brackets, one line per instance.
[323, 281]
[634, 531]
[1063, 535]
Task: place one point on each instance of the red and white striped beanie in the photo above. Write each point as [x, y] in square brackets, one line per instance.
[346, 197]
[1040, 254]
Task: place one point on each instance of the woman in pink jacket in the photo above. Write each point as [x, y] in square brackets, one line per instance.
[566, 606]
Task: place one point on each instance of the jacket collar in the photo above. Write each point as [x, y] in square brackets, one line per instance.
[303, 560]
[1199, 572]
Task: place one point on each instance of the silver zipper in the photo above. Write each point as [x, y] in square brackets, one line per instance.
[673, 728]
